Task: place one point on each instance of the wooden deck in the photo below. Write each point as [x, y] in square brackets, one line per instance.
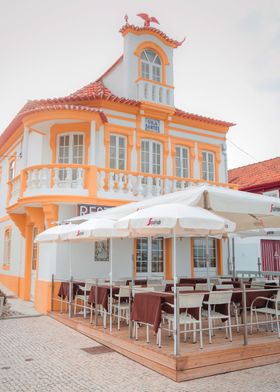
[219, 357]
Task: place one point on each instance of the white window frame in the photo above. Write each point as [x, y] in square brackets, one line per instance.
[151, 154]
[71, 148]
[150, 69]
[117, 160]
[184, 164]
[7, 246]
[208, 175]
[149, 262]
[199, 253]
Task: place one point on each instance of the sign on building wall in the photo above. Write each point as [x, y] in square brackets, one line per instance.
[84, 209]
[152, 125]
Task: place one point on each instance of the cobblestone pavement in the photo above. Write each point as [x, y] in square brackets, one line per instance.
[40, 354]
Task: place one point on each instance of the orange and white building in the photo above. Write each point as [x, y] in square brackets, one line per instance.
[116, 140]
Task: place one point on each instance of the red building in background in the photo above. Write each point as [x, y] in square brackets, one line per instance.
[262, 177]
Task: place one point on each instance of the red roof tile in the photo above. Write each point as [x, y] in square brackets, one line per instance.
[256, 174]
[169, 41]
[91, 92]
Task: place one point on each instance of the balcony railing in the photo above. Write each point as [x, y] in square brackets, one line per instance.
[92, 182]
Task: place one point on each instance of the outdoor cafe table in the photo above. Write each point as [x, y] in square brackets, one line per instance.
[63, 291]
[147, 307]
[168, 287]
[192, 280]
[103, 294]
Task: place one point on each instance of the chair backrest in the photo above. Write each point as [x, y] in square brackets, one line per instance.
[137, 290]
[219, 297]
[215, 281]
[124, 292]
[257, 285]
[225, 280]
[183, 288]
[224, 286]
[88, 285]
[154, 281]
[278, 298]
[203, 286]
[156, 287]
[120, 283]
[191, 300]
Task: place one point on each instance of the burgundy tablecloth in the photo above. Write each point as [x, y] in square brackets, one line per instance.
[138, 282]
[193, 280]
[147, 307]
[103, 293]
[63, 291]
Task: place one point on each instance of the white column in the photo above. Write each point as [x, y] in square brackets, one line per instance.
[169, 165]
[196, 167]
[24, 151]
[92, 145]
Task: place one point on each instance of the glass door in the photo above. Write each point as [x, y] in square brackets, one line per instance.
[70, 151]
[149, 257]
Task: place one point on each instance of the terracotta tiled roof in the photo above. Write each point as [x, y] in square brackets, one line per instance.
[197, 117]
[91, 92]
[169, 41]
[256, 174]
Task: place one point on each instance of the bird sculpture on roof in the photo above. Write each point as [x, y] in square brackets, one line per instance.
[148, 19]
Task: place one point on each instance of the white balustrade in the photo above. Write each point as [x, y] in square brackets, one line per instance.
[135, 186]
[15, 190]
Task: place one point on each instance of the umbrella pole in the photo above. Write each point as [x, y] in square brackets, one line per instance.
[71, 281]
[207, 262]
[111, 282]
[175, 327]
[233, 258]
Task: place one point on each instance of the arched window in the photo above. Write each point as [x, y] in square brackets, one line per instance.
[150, 65]
[7, 246]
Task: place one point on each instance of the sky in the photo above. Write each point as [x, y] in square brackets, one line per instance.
[228, 67]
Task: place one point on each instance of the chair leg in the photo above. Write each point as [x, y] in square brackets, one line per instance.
[257, 320]
[200, 334]
[251, 320]
[119, 319]
[277, 322]
[210, 330]
[136, 331]
[147, 333]
[159, 337]
[75, 306]
[194, 332]
[169, 328]
[230, 331]
[271, 323]
[226, 329]
[185, 332]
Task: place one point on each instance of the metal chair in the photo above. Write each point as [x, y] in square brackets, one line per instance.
[186, 301]
[121, 309]
[267, 311]
[218, 298]
[203, 286]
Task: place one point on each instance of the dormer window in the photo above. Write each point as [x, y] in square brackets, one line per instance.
[150, 65]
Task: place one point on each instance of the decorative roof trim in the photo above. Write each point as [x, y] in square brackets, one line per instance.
[129, 28]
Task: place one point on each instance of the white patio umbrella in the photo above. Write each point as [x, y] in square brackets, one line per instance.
[98, 230]
[55, 234]
[176, 219]
[247, 210]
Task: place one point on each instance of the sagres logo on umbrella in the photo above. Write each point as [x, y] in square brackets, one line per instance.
[153, 222]
[79, 233]
[275, 208]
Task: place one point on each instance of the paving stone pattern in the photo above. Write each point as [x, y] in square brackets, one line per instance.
[40, 354]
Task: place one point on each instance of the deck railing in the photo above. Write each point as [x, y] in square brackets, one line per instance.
[245, 326]
[91, 181]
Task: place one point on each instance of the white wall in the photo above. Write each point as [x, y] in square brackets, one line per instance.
[183, 252]
[55, 258]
